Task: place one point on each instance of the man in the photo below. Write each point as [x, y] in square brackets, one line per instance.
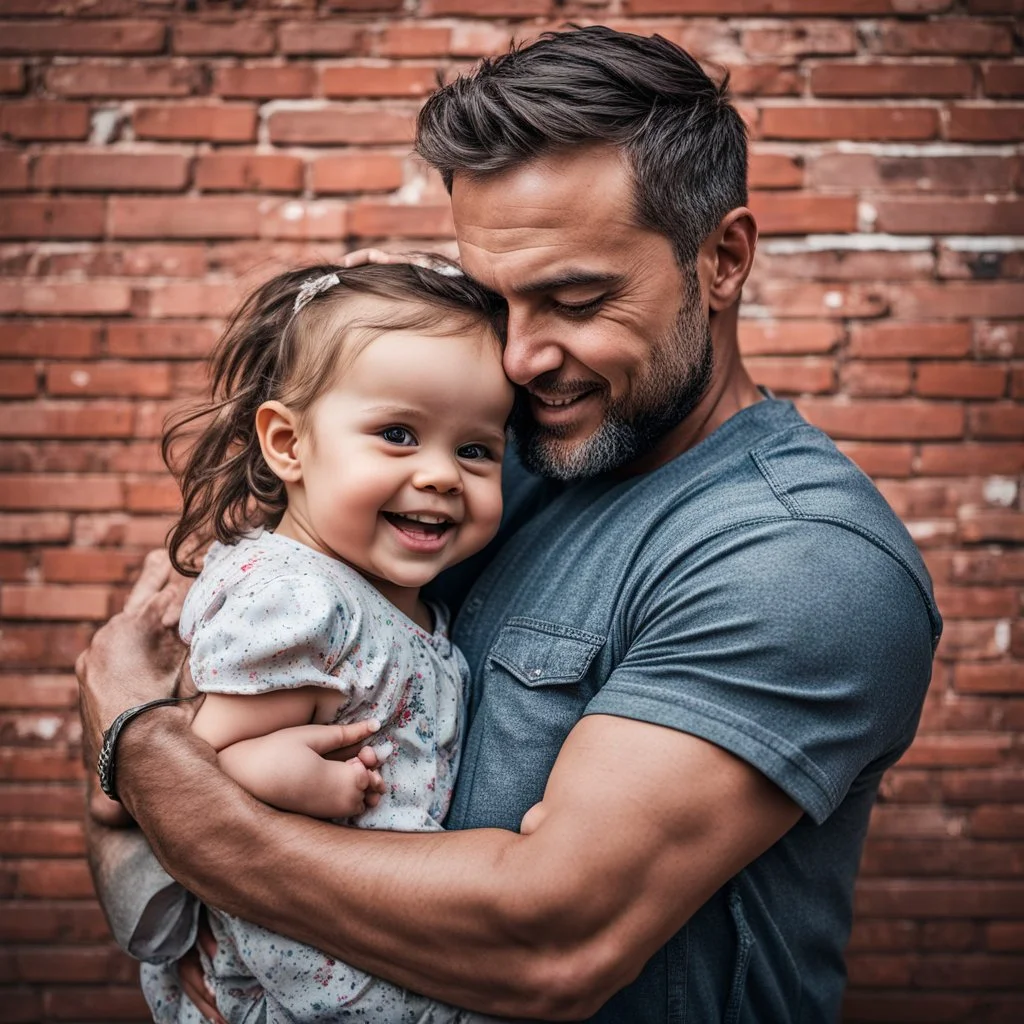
[701, 638]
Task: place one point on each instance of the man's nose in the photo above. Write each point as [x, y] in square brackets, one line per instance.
[438, 472]
[531, 349]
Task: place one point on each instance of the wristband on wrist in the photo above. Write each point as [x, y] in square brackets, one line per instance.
[106, 764]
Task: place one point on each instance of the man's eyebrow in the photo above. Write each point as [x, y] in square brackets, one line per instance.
[568, 279]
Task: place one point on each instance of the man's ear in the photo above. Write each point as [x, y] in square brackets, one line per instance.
[732, 256]
[278, 432]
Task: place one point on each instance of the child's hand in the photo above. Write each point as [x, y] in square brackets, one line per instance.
[291, 769]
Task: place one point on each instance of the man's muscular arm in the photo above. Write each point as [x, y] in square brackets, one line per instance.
[545, 925]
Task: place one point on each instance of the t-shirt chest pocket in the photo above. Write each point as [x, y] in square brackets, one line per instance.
[549, 666]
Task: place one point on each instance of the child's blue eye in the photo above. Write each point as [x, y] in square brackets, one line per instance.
[474, 452]
[398, 435]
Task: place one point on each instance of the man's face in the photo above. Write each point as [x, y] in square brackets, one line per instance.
[608, 338]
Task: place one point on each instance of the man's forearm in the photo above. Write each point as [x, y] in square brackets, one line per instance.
[433, 912]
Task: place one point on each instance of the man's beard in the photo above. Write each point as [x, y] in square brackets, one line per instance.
[673, 380]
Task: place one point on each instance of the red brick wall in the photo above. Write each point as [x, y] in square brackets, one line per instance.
[159, 157]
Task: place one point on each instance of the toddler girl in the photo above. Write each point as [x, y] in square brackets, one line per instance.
[352, 452]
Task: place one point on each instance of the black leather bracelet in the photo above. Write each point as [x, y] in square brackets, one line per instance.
[106, 764]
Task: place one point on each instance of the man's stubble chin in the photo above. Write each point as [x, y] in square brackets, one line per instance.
[671, 383]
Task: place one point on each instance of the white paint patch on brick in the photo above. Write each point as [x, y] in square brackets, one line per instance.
[1000, 490]
[833, 300]
[1002, 636]
[926, 149]
[106, 126]
[867, 216]
[988, 244]
[859, 243]
[80, 378]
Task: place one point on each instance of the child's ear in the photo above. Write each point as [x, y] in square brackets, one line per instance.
[278, 433]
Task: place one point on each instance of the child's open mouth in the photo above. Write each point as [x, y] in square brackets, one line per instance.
[420, 525]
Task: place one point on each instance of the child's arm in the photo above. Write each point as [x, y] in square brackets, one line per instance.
[263, 742]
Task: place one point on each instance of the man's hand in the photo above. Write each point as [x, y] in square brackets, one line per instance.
[136, 656]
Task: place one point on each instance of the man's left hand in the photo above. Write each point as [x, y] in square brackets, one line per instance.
[136, 656]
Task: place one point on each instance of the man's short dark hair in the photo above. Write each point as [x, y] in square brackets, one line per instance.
[685, 142]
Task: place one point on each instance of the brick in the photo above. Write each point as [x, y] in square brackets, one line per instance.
[41, 801]
[960, 380]
[137, 340]
[340, 126]
[243, 172]
[789, 299]
[957, 300]
[493, 9]
[194, 217]
[67, 419]
[89, 1003]
[196, 123]
[928, 898]
[792, 376]
[74, 965]
[797, 214]
[159, 495]
[265, 81]
[798, 39]
[979, 265]
[886, 80]
[947, 36]
[13, 171]
[299, 220]
[53, 602]
[95, 298]
[321, 38]
[44, 121]
[977, 602]
[1003, 678]
[885, 420]
[999, 341]
[65, 36]
[78, 171]
[414, 41]
[357, 172]
[764, 79]
[362, 80]
[1003, 79]
[795, 337]
[996, 421]
[376, 220]
[33, 217]
[967, 458]
[877, 378]
[977, 123]
[998, 823]
[190, 299]
[988, 567]
[111, 80]
[890, 340]
[775, 170]
[844, 265]
[880, 460]
[912, 173]
[1005, 936]
[50, 338]
[119, 260]
[149, 380]
[18, 380]
[849, 122]
[12, 76]
[203, 38]
[979, 641]
[39, 528]
[980, 524]
[26, 921]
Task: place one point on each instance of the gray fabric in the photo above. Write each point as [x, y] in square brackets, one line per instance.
[757, 592]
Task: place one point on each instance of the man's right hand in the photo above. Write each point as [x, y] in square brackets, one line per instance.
[136, 656]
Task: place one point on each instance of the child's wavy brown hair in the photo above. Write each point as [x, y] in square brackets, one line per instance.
[271, 351]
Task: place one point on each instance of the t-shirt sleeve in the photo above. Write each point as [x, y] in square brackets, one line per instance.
[799, 646]
[272, 634]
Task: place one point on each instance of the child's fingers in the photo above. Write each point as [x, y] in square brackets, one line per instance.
[323, 739]
[376, 783]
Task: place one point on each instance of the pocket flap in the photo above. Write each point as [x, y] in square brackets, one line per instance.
[542, 653]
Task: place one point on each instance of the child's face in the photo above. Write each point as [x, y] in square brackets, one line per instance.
[401, 459]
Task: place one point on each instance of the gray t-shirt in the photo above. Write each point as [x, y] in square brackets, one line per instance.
[756, 591]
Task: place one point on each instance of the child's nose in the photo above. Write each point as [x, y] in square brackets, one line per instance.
[438, 473]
